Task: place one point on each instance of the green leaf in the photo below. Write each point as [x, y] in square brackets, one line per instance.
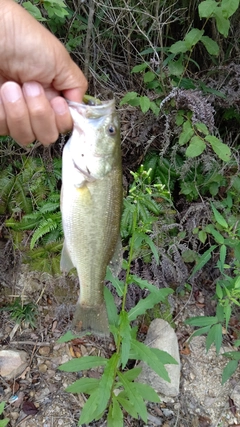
[83, 363]
[126, 404]
[196, 147]
[229, 7]
[143, 305]
[34, 10]
[229, 370]
[140, 351]
[236, 183]
[237, 283]
[223, 253]
[207, 8]
[134, 397]
[149, 77]
[99, 398]
[118, 284]
[219, 291]
[222, 150]
[223, 24]
[217, 236]
[2, 407]
[144, 103]
[201, 127]
[176, 68]
[211, 46]
[106, 383]
[132, 374]
[138, 68]
[214, 336]
[193, 37]
[125, 333]
[84, 385]
[140, 237]
[144, 284]
[164, 357]
[186, 133]
[219, 218]
[147, 392]
[89, 412]
[111, 307]
[202, 321]
[128, 97]
[202, 235]
[178, 47]
[203, 260]
[115, 415]
[4, 422]
[227, 313]
[201, 331]
[155, 109]
[234, 355]
[70, 336]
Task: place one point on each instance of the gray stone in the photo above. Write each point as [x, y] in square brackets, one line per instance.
[12, 363]
[235, 395]
[162, 336]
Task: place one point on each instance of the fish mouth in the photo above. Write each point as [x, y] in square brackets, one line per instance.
[86, 173]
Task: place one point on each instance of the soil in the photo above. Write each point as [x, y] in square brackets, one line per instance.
[202, 401]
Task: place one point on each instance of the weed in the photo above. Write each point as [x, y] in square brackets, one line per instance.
[117, 390]
[20, 312]
[225, 233]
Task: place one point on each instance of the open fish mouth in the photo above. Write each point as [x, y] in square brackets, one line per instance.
[91, 109]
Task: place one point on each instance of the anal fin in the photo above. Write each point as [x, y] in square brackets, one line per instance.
[65, 263]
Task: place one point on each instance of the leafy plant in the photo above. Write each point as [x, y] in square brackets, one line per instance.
[117, 389]
[30, 192]
[143, 200]
[225, 233]
[22, 312]
[51, 7]
[199, 137]
[5, 421]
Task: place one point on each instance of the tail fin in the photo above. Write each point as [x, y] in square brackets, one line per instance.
[91, 319]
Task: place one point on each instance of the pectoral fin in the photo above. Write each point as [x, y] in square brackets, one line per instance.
[66, 263]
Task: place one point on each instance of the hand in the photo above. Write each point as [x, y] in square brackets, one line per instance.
[35, 69]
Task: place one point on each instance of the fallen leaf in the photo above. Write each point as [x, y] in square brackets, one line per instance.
[185, 349]
[29, 408]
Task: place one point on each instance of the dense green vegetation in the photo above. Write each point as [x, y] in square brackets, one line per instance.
[175, 69]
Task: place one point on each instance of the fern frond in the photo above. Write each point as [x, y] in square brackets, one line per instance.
[50, 206]
[21, 197]
[45, 227]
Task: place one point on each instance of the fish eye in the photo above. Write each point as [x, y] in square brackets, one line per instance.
[111, 130]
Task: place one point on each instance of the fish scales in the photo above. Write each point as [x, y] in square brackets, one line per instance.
[91, 204]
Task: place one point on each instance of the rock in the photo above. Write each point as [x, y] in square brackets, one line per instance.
[235, 395]
[12, 363]
[162, 336]
[44, 351]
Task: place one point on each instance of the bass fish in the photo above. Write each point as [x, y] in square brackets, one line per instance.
[91, 205]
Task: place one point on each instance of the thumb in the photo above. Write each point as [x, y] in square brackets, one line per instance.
[70, 81]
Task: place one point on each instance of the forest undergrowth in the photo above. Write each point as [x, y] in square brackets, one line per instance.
[174, 70]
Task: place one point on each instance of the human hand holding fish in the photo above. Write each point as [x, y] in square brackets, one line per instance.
[91, 205]
[35, 70]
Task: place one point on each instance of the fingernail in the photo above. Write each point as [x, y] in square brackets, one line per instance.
[11, 92]
[32, 89]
